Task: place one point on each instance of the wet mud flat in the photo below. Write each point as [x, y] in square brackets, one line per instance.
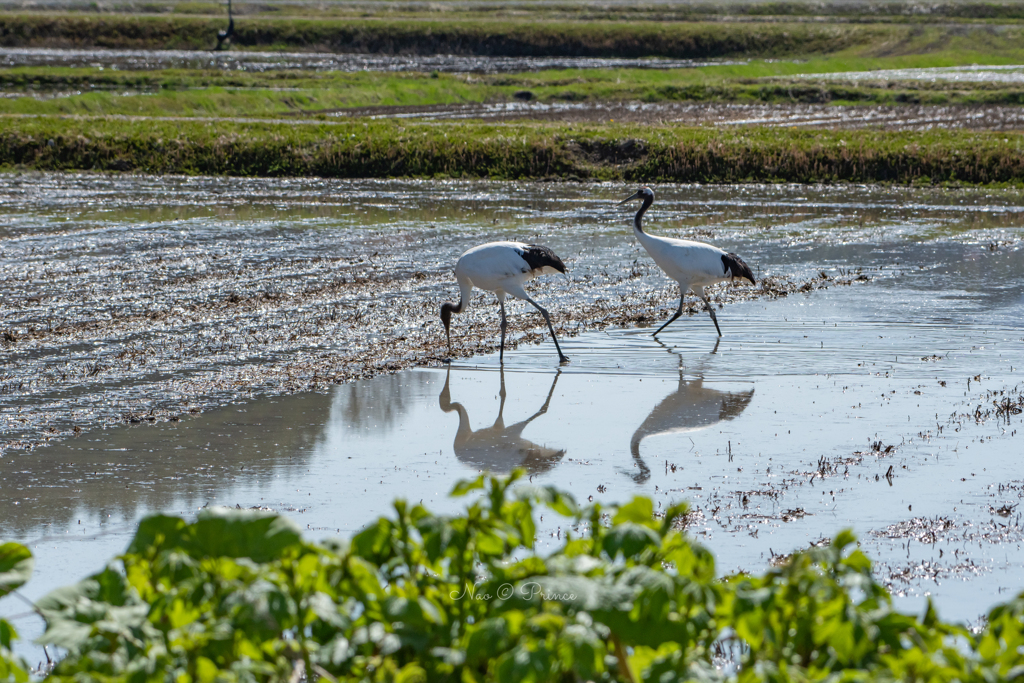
[139, 299]
[133, 299]
[849, 117]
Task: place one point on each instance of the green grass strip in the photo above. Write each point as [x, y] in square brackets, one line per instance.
[385, 149]
[502, 36]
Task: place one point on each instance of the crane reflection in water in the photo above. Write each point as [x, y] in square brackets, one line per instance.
[690, 407]
[499, 448]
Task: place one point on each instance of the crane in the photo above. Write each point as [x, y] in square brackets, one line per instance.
[226, 35]
[694, 265]
[502, 268]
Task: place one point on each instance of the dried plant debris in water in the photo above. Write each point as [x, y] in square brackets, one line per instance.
[900, 578]
[946, 530]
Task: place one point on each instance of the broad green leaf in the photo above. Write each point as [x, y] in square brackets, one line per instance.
[260, 536]
[640, 510]
[464, 486]
[101, 603]
[524, 664]
[629, 539]
[371, 543]
[7, 634]
[364, 577]
[449, 656]
[157, 531]
[486, 638]
[559, 501]
[411, 673]
[66, 633]
[335, 651]
[843, 539]
[16, 565]
[206, 670]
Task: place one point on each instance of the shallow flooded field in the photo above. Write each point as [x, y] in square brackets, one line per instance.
[871, 380]
[147, 60]
[976, 73]
[903, 117]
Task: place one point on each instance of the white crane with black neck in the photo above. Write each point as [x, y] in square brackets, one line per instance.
[694, 265]
[502, 268]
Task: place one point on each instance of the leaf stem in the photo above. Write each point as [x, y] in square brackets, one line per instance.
[620, 653]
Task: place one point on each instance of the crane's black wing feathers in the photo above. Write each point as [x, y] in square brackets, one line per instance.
[735, 267]
[538, 257]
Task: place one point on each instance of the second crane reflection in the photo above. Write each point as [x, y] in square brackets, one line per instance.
[691, 406]
[499, 448]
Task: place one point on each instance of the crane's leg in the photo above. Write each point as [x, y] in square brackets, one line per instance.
[679, 311]
[504, 326]
[521, 293]
[711, 310]
[554, 337]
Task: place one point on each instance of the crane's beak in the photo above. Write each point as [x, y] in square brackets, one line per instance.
[636, 196]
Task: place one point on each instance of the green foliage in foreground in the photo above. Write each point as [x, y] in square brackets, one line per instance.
[15, 569]
[384, 149]
[240, 596]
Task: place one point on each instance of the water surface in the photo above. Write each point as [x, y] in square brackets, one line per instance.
[976, 73]
[148, 60]
[779, 433]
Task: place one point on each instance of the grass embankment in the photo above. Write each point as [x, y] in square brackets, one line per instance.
[545, 151]
[450, 35]
[800, 10]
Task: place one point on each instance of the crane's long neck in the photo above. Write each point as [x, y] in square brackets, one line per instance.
[465, 292]
[648, 240]
[465, 289]
[637, 221]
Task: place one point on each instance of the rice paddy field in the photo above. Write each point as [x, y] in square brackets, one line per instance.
[220, 272]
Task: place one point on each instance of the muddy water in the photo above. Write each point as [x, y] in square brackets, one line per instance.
[147, 60]
[903, 117]
[887, 404]
[1007, 73]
